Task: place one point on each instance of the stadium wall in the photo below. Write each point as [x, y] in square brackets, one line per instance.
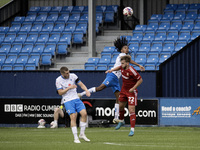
[179, 76]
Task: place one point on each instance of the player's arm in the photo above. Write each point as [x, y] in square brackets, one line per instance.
[61, 91]
[136, 85]
[83, 87]
[141, 67]
[113, 69]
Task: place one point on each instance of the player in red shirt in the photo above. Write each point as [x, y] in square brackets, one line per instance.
[131, 80]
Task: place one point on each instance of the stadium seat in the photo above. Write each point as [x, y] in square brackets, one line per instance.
[194, 6]
[152, 27]
[18, 67]
[101, 67]
[188, 27]
[192, 16]
[10, 37]
[22, 59]
[85, 10]
[32, 37]
[104, 60]
[108, 51]
[99, 17]
[70, 27]
[161, 35]
[109, 17]
[149, 36]
[167, 17]
[45, 9]
[33, 60]
[43, 37]
[66, 37]
[156, 17]
[82, 27]
[15, 27]
[145, 46]
[21, 37]
[34, 9]
[5, 48]
[195, 34]
[30, 67]
[52, 16]
[2, 59]
[168, 46]
[38, 48]
[184, 35]
[74, 17]
[150, 67]
[156, 46]
[183, 6]
[180, 45]
[93, 61]
[78, 37]
[54, 37]
[67, 9]
[27, 48]
[84, 18]
[46, 59]
[172, 35]
[37, 26]
[63, 17]
[56, 9]
[152, 60]
[4, 29]
[11, 59]
[140, 60]
[16, 48]
[141, 27]
[171, 6]
[168, 11]
[176, 27]
[101, 8]
[163, 57]
[41, 17]
[62, 48]
[26, 27]
[115, 8]
[180, 11]
[2, 36]
[133, 47]
[50, 48]
[30, 18]
[109, 8]
[6, 67]
[19, 19]
[89, 66]
[47, 26]
[164, 25]
[58, 27]
[77, 9]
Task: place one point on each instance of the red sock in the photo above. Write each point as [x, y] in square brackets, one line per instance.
[121, 114]
[132, 120]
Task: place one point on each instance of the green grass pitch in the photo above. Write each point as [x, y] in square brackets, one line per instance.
[145, 138]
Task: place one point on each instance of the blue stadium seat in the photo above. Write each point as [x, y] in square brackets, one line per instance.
[152, 27]
[33, 60]
[89, 66]
[67, 9]
[22, 60]
[34, 9]
[53, 16]
[63, 17]
[161, 35]
[5, 48]
[140, 60]
[194, 6]
[101, 67]
[18, 67]
[113, 59]
[93, 61]
[168, 46]
[133, 47]
[6, 67]
[27, 48]
[54, 37]
[195, 34]
[43, 37]
[21, 37]
[99, 17]
[77, 9]
[128, 37]
[62, 48]
[56, 9]
[115, 8]
[171, 6]
[141, 27]
[78, 37]
[149, 36]
[70, 27]
[109, 17]
[10, 37]
[84, 18]
[16, 48]
[97, 27]
[183, 6]
[66, 37]
[101, 8]
[45, 9]
[58, 27]
[179, 17]
[32, 37]
[156, 17]
[74, 17]
[156, 46]
[164, 56]
[180, 11]
[167, 17]
[188, 27]
[85, 10]
[15, 27]
[30, 67]
[19, 19]
[82, 27]
[191, 16]
[104, 60]
[11, 59]
[30, 18]
[153, 60]
[2, 59]
[47, 26]
[168, 11]
[46, 59]
[41, 17]
[188, 22]
[109, 8]
[26, 27]
[37, 26]
[145, 46]
[4, 29]
[176, 25]
[50, 48]
[184, 35]
[180, 45]
[2, 36]
[38, 48]
[172, 35]
[164, 25]
[150, 67]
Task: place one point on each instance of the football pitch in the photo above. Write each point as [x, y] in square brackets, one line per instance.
[145, 138]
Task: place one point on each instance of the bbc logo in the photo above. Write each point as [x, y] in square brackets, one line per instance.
[13, 108]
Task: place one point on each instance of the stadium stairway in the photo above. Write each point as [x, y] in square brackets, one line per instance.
[79, 55]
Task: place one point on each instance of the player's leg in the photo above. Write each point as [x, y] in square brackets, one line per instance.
[122, 105]
[131, 109]
[116, 118]
[58, 112]
[83, 121]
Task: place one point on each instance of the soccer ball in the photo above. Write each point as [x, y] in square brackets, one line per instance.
[128, 11]
[41, 123]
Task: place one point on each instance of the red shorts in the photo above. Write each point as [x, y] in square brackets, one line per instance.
[131, 98]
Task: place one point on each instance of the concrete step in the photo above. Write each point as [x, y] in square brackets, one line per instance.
[117, 32]
[79, 54]
[106, 38]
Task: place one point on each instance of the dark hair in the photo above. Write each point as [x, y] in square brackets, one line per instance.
[120, 42]
[126, 58]
[62, 69]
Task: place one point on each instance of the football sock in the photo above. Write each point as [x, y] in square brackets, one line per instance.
[56, 121]
[132, 129]
[116, 110]
[91, 90]
[74, 131]
[132, 120]
[82, 128]
[121, 114]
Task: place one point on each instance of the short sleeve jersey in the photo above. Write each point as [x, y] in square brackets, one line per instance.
[62, 83]
[118, 63]
[129, 78]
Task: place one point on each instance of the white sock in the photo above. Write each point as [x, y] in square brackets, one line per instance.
[82, 128]
[91, 90]
[132, 129]
[116, 110]
[74, 131]
[56, 121]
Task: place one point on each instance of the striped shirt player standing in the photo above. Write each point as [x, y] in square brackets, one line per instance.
[66, 87]
[112, 79]
[131, 79]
